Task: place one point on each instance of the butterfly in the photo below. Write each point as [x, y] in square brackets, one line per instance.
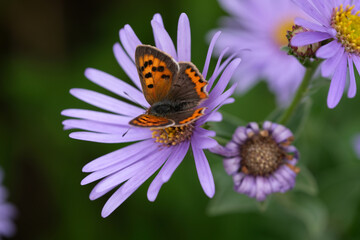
[173, 89]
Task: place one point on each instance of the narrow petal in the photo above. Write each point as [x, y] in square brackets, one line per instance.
[116, 86]
[328, 50]
[126, 64]
[134, 183]
[310, 25]
[105, 102]
[330, 64]
[232, 165]
[352, 84]
[205, 142]
[132, 136]
[94, 126]
[174, 161]
[133, 41]
[215, 117]
[164, 41]
[203, 170]
[209, 53]
[308, 8]
[184, 39]
[337, 84]
[306, 38]
[118, 155]
[97, 116]
[212, 78]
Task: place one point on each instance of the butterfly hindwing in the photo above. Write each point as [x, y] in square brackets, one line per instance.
[147, 120]
[157, 71]
[186, 117]
[189, 85]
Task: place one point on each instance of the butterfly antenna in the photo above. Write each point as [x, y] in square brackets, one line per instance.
[126, 132]
[132, 99]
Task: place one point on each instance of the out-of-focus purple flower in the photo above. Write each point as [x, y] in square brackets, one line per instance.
[356, 144]
[131, 166]
[257, 29]
[260, 161]
[7, 212]
[338, 22]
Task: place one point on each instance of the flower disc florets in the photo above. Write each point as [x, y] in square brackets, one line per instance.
[172, 136]
[347, 26]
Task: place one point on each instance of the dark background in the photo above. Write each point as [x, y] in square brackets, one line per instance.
[45, 48]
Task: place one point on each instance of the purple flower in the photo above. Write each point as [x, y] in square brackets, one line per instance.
[131, 166]
[260, 161]
[356, 144]
[7, 212]
[257, 29]
[337, 22]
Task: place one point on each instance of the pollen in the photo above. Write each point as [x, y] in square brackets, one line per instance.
[172, 136]
[347, 26]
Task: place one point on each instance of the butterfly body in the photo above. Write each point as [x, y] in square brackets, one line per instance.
[174, 90]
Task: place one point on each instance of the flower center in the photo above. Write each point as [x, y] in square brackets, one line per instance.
[261, 155]
[281, 30]
[172, 135]
[347, 26]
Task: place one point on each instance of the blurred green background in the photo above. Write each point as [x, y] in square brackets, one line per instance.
[45, 48]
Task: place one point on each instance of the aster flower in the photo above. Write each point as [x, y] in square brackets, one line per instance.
[260, 161]
[337, 22]
[153, 149]
[7, 212]
[260, 26]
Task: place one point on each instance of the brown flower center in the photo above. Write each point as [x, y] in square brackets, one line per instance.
[261, 155]
[172, 135]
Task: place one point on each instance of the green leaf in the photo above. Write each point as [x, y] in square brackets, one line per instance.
[306, 182]
[226, 128]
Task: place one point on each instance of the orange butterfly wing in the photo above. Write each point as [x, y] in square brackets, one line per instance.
[156, 71]
[146, 120]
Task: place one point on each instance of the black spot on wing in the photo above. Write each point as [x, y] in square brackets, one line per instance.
[150, 86]
[161, 68]
[148, 75]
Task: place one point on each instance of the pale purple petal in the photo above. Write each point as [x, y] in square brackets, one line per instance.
[133, 41]
[232, 165]
[337, 84]
[209, 53]
[204, 171]
[105, 102]
[330, 64]
[116, 86]
[308, 8]
[328, 50]
[131, 136]
[94, 126]
[184, 39]
[352, 85]
[305, 38]
[126, 64]
[174, 161]
[97, 116]
[310, 25]
[213, 76]
[134, 183]
[163, 38]
[215, 117]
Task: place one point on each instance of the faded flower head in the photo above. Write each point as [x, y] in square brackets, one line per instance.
[338, 23]
[261, 161]
[160, 148]
[7, 212]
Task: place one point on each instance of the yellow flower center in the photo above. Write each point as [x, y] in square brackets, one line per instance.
[172, 135]
[347, 26]
[279, 33]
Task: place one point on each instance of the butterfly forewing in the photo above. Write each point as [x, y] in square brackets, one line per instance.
[186, 117]
[147, 120]
[157, 71]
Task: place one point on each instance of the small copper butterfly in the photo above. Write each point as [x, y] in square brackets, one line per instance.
[173, 89]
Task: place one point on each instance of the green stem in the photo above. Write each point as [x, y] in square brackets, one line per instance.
[303, 88]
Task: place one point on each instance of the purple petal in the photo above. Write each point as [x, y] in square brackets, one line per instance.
[131, 136]
[225, 78]
[330, 64]
[232, 165]
[216, 70]
[215, 117]
[184, 39]
[133, 41]
[214, 101]
[352, 85]
[134, 183]
[204, 171]
[209, 53]
[94, 126]
[126, 64]
[105, 102]
[174, 161]
[204, 142]
[309, 25]
[337, 84]
[164, 41]
[118, 155]
[308, 8]
[306, 38]
[328, 50]
[116, 86]
[97, 116]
